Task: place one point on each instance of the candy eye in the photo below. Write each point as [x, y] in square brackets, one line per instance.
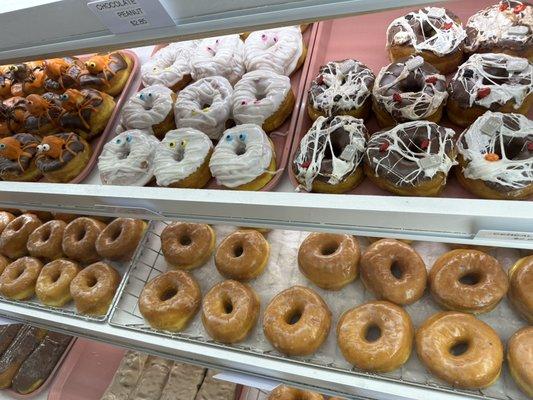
[243, 103]
[275, 39]
[150, 95]
[63, 97]
[154, 69]
[40, 148]
[129, 138]
[183, 143]
[229, 138]
[141, 96]
[13, 68]
[216, 41]
[242, 137]
[2, 146]
[172, 144]
[90, 64]
[263, 36]
[43, 147]
[118, 141]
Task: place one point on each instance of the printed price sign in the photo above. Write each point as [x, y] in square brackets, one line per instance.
[122, 16]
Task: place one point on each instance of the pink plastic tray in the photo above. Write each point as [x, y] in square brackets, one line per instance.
[363, 37]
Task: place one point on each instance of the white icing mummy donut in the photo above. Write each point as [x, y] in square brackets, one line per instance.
[276, 50]
[219, 56]
[205, 105]
[258, 95]
[180, 154]
[243, 153]
[128, 159]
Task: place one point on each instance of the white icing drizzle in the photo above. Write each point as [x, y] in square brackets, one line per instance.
[219, 56]
[258, 95]
[276, 50]
[318, 140]
[128, 159]
[447, 35]
[205, 105]
[146, 108]
[243, 153]
[477, 141]
[180, 154]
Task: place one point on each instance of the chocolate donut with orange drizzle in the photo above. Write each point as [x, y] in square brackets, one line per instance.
[107, 72]
[17, 157]
[42, 113]
[62, 73]
[12, 114]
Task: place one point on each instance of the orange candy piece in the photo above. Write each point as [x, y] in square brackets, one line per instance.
[492, 157]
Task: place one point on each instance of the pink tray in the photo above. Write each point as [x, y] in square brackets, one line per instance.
[363, 37]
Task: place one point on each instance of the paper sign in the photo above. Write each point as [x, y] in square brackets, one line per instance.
[122, 16]
[264, 384]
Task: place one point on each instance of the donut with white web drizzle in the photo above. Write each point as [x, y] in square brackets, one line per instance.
[329, 156]
[434, 33]
[496, 82]
[408, 90]
[496, 156]
[341, 88]
[411, 159]
[505, 27]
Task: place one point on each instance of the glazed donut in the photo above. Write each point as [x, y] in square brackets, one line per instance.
[341, 88]
[205, 105]
[409, 89]
[244, 158]
[330, 154]
[411, 159]
[219, 56]
[520, 360]
[280, 50]
[18, 280]
[297, 321]
[186, 245]
[434, 33]
[108, 72]
[263, 98]
[79, 239]
[5, 219]
[495, 82]
[170, 300]
[46, 241]
[243, 255]
[328, 260]
[4, 262]
[460, 349]
[504, 27]
[128, 159]
[17, 158]
[283, 392]
[94, 287]
[521, 287]
[393, 271]
[53, 283]
[150, 110]
[495, 156]
[119, 240]
[15, 235]
[65, 217]
[229, 311]
[182, 159]
[467, 281]
[376, 336]
[372, 239]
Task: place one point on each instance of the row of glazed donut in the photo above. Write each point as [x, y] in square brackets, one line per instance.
[494, 156]
[283, 392]
[244, 159]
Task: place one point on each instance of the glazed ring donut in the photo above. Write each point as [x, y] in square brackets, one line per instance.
[393, 271]
[170, 300]
[243, 255]
[5, 219]
[65, 217]
[46, 240]
[15, 235]
[53, 284]
[297, 321]
[119, 240]
[376, 336]
[467, 281]
[283, 392]
[4, 262]
[229, 311]
[460, 349]
[79, 239]
[18, 280]
[94, 287]
[521, 287]
[520, 360]
[186, 245]
[328, 260]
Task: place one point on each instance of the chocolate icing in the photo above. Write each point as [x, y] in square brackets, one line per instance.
[7, 334]
[33, 123]
[12, 166]
[27, 339]
[70, 79]
[99, 81]
[47, 164]
[71, 120]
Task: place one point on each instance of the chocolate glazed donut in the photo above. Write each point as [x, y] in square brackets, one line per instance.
[20, 167]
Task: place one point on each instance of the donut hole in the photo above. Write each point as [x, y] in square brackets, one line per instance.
[185, 240]
[168, 294]
[428, 30]
[54, 276]
[459, 348]
[511, 149]
[336, 148]
[116, 234]
[470, 278]
[91, 281]
[294, 316]
[396, 269]
[123, 153]
[17, 225]
[329, 249]
[205, 104]
[228, 306]
[18, 272]
[372, 333]
[410, 84]
[81, 234]
[238, 250]
[260, 95]
[45, 234]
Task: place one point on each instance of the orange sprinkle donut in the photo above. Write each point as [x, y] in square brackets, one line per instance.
[520, 359]
[521, 287]
[53, 283]
[283, 392]
[18, 279]
[79, 239]
[15, 235]
[46, 240]
[187, 246]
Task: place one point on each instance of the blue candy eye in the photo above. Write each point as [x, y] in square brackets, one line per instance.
[63, 97]
[129, 138]
[2, 146]
[228, 138]
[242, 137]
[118, 141]
[141, 96]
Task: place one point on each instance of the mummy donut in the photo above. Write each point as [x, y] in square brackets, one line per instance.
[496, 156]
[182, 159]
[263, 98]
[243, 158]
[434, 33]
[150, 110]
[219, 56]
[412, 158]
[329, 156]
[496, 82]
[205, 105]
[408, 90]
[280, 50]
[128, 159]
[341, 88]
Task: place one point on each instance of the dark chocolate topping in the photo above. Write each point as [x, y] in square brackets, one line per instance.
[12, 166]
[47, 164]
[99, 81]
